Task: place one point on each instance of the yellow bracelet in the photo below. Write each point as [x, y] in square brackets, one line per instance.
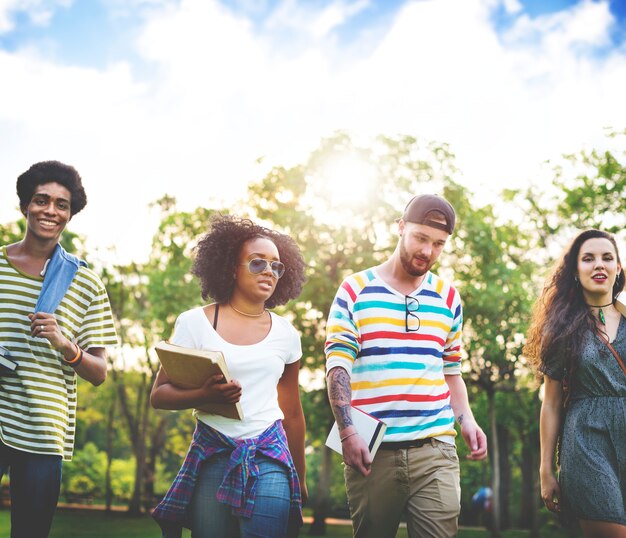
[76, 357]
[347, 436]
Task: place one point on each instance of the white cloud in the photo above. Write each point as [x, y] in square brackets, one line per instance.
[313, 22]
[221, 92]
[512, 6]
[38, 11]
[586, 23]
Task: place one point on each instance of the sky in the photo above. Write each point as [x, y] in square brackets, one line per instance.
[197, 98]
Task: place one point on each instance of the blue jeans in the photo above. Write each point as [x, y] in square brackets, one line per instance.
[35, 481]
[210, 518]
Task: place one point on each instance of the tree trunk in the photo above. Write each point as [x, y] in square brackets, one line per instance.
[530, 487]
[108, 489]
[139, 451]
[157, 443]
[137, 425]
[134, 506]
[322, 504]
[505, 476]
[495, 466]
[536, 494]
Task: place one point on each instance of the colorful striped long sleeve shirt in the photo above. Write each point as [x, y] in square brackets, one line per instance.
[398, 350]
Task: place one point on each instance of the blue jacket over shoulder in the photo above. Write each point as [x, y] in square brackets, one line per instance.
[60, 272]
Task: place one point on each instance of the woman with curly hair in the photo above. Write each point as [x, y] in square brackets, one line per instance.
[241, 477]
[574, 326]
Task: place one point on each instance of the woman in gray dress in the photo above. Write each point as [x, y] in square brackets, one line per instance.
[584, 384]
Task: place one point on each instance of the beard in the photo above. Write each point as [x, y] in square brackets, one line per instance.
[406, 259]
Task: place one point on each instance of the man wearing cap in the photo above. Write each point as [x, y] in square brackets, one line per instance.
[393, 350]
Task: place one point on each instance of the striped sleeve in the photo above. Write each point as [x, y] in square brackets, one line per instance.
[452, 347]
[97, 328]
[343, 341]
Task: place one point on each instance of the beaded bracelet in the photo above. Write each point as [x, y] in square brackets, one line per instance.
[348, 436]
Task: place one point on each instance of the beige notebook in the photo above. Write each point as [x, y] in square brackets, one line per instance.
[189, 368]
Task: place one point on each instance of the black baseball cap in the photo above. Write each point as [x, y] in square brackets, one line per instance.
[418, 210]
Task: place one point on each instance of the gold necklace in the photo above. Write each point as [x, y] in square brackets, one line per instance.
[245, 313]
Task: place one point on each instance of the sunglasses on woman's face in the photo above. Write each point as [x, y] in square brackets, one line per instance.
[257, 265]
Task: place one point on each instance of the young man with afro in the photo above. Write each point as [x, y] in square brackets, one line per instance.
[55, 323]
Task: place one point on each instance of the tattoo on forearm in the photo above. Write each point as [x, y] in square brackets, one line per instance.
[342, 415]
[340, 396]
[339, 389]
[460, 419]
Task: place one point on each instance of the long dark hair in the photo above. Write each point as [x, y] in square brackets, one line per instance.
[560, 316]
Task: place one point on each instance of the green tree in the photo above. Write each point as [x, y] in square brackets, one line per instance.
[586, 192]
[12, 232]
[83, 479]
[146, 299]
[591, 187]
[494, 276]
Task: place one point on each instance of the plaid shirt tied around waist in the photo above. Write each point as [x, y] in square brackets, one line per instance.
[238, 488]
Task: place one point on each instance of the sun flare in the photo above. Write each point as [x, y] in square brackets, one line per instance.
[343, 181]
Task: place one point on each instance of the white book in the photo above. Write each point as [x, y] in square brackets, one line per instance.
[371, 429]
[620, 303]
[5, 361]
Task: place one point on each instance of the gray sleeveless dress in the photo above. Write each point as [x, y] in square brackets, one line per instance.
[593, 449]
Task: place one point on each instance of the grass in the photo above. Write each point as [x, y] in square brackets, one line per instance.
[97, 524]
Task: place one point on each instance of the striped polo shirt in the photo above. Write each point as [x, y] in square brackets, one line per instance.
[38, 400]
[398, 375]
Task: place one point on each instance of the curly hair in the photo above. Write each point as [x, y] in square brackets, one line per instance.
[560, 316]
[52, 172]
[217, 256]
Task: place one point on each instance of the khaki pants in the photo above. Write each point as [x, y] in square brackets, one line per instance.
[422, 482]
